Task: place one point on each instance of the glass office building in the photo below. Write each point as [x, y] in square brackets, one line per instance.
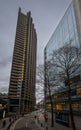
[66, 33]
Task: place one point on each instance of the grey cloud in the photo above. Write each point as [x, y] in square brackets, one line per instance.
[4, 86]
[4, 79]
[5, 62]
[4, 89]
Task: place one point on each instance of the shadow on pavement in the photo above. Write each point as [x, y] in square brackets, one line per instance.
[26, 128]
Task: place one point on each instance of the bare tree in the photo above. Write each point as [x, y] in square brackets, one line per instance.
[67, 62]
[41, 81]
[49, 85]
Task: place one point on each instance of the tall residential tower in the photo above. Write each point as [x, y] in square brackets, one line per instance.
[23, 71]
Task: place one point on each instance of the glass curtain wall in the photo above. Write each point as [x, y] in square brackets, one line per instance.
[65, 34]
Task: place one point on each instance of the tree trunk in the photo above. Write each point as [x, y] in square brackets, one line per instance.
[52, 117]
[70, 102]
[71, 111]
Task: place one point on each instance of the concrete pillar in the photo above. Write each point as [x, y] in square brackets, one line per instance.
[70, 124]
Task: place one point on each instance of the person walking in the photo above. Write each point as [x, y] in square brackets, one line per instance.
[4, 123]
[10, 120]
[46, 117]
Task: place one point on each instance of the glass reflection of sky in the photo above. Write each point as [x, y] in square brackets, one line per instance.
[65, 33]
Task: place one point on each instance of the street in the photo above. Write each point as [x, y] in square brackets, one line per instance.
[29, 122]
[25, 123]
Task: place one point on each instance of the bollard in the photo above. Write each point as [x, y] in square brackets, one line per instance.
[46, 128]
[41, 125]
[38, 121]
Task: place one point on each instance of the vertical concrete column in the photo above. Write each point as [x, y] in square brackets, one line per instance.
[70, 124]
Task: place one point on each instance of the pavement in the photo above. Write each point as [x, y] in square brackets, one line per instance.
[6, 125]
[35, 124]
[14, 124]
[47, 125]
[24, 123]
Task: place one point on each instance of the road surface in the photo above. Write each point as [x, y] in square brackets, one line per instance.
[25, 123]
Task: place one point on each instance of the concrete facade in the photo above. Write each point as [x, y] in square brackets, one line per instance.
[23, 71]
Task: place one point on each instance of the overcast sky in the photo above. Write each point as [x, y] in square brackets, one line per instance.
[46, 15]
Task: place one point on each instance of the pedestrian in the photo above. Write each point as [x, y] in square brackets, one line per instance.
[10, 120]
[46, 117]
[35, 117]
[4, 123]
